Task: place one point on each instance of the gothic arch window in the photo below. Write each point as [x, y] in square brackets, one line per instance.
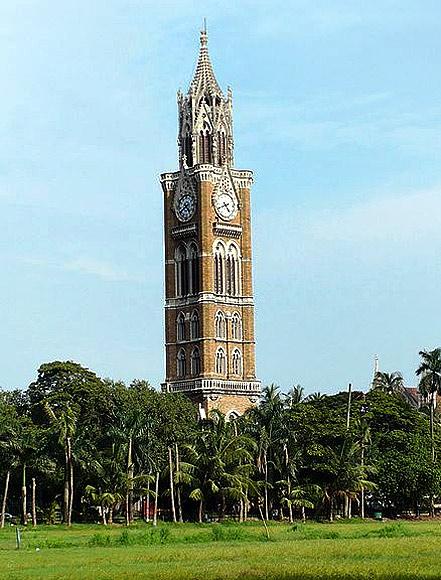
[222, 146]
[181, 270]
[195, 362]
[233, 270]
[236, 362]
[194, 326]
[188, 146]
[181, 366]
[193, 269]
[236, 326]
[205, 144]
[180, 327]
[220, 325]
[219, 268]
[221, 362]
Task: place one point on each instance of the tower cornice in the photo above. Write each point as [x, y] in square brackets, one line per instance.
[243, 177]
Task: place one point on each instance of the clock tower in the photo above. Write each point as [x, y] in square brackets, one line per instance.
[209, 306]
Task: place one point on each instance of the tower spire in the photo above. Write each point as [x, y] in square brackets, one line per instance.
[204, 79]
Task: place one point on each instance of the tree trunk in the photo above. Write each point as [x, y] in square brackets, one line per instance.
[200, 512]
[66, 484]
[110, 519]
[103, 514]
[289, 504]
[178, 489]
[264, 523]
[5, 498]
[245, 507]
[34, 507]
[148, 501]
[362, 503]
[155, 512]
[331, 510]
[223, 508]
[23, 497]
[303, 514]
[172, 490]
[432, 443]
[362, 489]
[71, 481]
[266, 487]
[129, 495]
[127, 509]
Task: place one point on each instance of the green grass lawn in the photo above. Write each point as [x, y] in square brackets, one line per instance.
[342, 550]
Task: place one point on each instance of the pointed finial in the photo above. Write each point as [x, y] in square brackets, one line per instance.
[204, 36]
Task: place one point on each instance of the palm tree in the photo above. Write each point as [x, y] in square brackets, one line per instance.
[62, 414]
[315, 397]
[429, 372]
[220, 463]
[295, 395]
[389, 383]
[268, 431]
[348, 476]
[300, 496]
[10, 457]
[104, 500]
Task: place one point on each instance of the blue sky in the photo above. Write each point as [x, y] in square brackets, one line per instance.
[337, 109]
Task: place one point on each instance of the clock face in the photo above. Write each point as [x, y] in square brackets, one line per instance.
[185, 206]
[225, 205]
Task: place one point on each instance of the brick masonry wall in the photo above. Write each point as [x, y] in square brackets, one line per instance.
[208, 343]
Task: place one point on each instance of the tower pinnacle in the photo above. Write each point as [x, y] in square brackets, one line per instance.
[205, 116]
[204, 80]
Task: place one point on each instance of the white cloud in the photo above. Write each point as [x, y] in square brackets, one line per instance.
[387, 227]
[413, 217]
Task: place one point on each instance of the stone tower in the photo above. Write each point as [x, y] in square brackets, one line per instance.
[209, 307]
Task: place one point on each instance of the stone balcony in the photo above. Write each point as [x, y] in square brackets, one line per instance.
[213, 386]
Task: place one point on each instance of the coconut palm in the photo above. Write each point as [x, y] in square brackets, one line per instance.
[299, 496]
[267, 429]
[388, 382]
[220, 463]
[294, 396]
[63, 416]
[429, 372]
[315, 397]
[10, 453]
[347, 476]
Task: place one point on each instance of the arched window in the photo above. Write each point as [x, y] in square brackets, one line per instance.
[205, 144]
[181, 271]
[193, 269]
[221, 362]
[194, 326]
[221, 147]
[219, 268]
[195, 362]
[237, 362]
[233, 271]
[180, 327]
[181, 366]
[188, 146]
[236, 327]
[220, 325]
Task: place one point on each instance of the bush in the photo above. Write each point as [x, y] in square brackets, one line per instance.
[100, 540]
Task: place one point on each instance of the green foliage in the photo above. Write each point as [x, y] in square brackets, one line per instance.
[290, 457]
